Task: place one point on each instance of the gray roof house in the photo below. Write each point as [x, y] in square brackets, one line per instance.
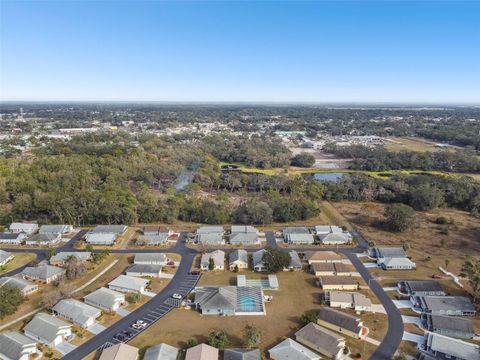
[258, 263]
[47, 329]
[242, 354]
[421, 288]
[152, 240]
[161, 352]
[156, 230]
[101, 238]
[210, 230]
[348, 300]
[61, 257]
[295, 261]
[218, 257]
[143, 270]
[449, 325]
[25, 228]
[238, 258]
[397, 263]
[340, 322]
[388, 252]
[297, 235]
[5, 257]
[324, 341]
[43, 273]
[243, 235]
[150, 259]
[335, 238]
[77, 312]
[12, 238]
[14, 345]
[128, 284]
[289, 349]
[229, 300]
[105, 299]
[55, 229]
[211, 239]
[25, 286]
[110, 229]
[43, 239]
[444, 347]
[444, 305]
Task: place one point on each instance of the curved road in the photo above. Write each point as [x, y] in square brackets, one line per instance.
[182, 282]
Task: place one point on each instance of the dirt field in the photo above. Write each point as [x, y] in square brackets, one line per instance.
[413, 144]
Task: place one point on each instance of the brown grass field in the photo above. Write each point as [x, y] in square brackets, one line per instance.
[19, 260]
[413, 144]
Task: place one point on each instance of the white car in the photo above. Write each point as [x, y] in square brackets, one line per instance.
[177, 296]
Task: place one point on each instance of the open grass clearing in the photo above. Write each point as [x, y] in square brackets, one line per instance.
[19, 260]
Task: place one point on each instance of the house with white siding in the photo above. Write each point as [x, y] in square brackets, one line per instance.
[77, 312]
[26, 287]
[16, 346]
[12, 238]
[5, 257]
[47, 330]
[128, 284]
[25, 228]
[105, 299]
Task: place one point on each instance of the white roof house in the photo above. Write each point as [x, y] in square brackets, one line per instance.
[128, 284]
[161, 352]
[101, 238]
[43, 239]
[150, 259]
[62, 257]
[14, 345]
[55, 229]
[211, 239]
[105, 299]
[43, 273]
[26, 228]
[26, 287]
[12, 238]
[210, 230]
[142, 270]
[5, 257]
[348, 300]
[218, 257]
[444, 347]
[47, 329]
[335, 238]
[289, 349]
[110, 229]
[77, 312]
[397, 263]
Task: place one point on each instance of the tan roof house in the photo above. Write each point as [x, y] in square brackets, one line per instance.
[120, 352]
[202, 352]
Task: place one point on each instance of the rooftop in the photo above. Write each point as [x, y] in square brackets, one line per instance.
[341, 319]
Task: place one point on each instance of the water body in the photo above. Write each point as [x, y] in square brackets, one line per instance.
[328, 176]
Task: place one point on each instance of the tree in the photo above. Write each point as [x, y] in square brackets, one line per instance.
[303, 160]
[11, 298]
[50, 298]
[251, 336]
[471, 270]
[399, 217]
[253, 212]
[51, 252]
[218, 339]
[307, 318]
[447, 262]
[89, 248]
[74, 268]
[132, 298]
[211, 264]
[426, 197]
[275, 259]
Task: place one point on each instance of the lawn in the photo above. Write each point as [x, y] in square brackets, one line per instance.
[297, 294]
[19, 260]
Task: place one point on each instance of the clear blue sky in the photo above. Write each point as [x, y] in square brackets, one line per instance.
[240, 51]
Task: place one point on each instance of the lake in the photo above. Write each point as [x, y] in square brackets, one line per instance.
[328, 176]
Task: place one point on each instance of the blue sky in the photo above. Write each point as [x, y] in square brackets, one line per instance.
[240, 51]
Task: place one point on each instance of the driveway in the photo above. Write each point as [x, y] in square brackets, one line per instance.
[403, 304]
[412, 320]
[96, 328]
[149, 293]
[418, 339]
[391, 288]
[370, 265]
[123, 312]
[64, 348]
[378, 308]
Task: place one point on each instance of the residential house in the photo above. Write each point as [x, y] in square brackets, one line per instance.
[55, 229]
[150, 259]
[289, 349]
[210, 235]
[218, 258]
[338, 283]
[397, 264]
[105, 299]
[16, 346]
[258, 263]
[43, 240]
[321, 340]
[322, 257]
[348, 300]
[26, 287]
[298, 236]
[341, 322]
[110, 229]
[155, 235]
[61, 258]
[238, 259]
[242, 354]
[47, 329]
[43, 273]
[202, 352]
[142, 270]
[119, 352]
[449, 326]
[421, 288]
[128, 284]
[5, 257]
[295, 262]
[152, 230]
[332, 269]
[243, 235]
[384, 252]
[77, 312]
[105, 239]
[444, 305]
[161, 352]
[12, 238]
[25, 228]
[229, 300]
[443, 347]
[332, 235]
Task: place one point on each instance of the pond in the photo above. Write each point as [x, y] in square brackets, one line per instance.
[328, 176]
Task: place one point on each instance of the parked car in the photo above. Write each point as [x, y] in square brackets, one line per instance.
[177, 296]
